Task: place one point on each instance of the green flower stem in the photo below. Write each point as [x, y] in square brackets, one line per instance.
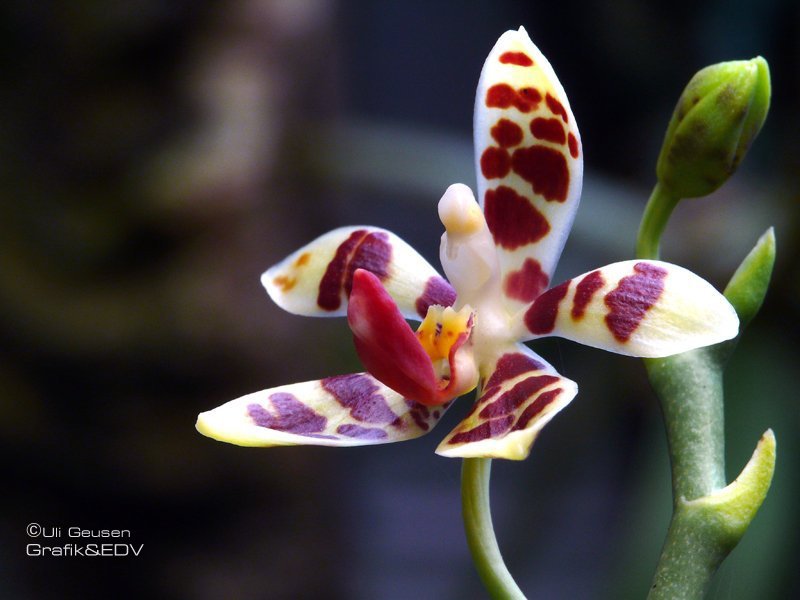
[708, 518]
[695, 429]
[704, 531]
[689, 386]
[656, 214]
[482, 542]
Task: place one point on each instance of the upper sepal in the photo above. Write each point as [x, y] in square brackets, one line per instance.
[316, 280]
[639, 308]
[521, 393]
[346, 410]
[529, 164]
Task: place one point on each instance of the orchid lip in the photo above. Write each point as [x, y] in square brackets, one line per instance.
[431, 366]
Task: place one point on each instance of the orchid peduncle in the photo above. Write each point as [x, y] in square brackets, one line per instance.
[716, 119]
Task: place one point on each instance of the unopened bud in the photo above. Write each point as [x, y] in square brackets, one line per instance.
[716, 119]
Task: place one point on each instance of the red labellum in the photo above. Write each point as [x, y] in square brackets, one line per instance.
[390, 350]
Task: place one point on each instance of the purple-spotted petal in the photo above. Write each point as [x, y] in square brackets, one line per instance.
[346, 410]
[638, 308]
[529, 163]
[316, 280]
[520, 394]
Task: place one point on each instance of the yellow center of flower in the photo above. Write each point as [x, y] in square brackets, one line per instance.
[441, 329]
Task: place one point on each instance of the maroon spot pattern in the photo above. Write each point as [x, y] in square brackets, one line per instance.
[437, 291]
[556, 108]
[373, 254]
[516, 58]
[512, 219]
[420, 413]
[545, 169]
[500, 412]
[632, 298]
[508, 366]
[511, 400]
[495, 163]
[507, 133]
[364, 433]
[484, 431]
[502, 95]
[548, 129]
[540, 318]
[573, 145]
[331, 283]
[512, 365]
[536, 407]
[359, 394]
[527, 283]
[529, 97]
[586, 288]
[291, 415]
[361, 250]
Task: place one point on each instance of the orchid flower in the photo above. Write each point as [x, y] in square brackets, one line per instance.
[499, 255]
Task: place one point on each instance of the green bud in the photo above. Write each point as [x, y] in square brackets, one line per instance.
[716, 119]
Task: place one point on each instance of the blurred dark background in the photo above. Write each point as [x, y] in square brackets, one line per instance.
[157, 156]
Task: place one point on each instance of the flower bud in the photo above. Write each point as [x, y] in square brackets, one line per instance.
[716, 119]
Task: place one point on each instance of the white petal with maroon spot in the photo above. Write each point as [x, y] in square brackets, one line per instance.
[520, 394]
[316, 279]
[639, 308]
[529, 164]
[346, 410]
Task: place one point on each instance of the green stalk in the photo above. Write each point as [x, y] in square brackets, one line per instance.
[475, 474]
[689, 386]
[708, 518]
[656, 214]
